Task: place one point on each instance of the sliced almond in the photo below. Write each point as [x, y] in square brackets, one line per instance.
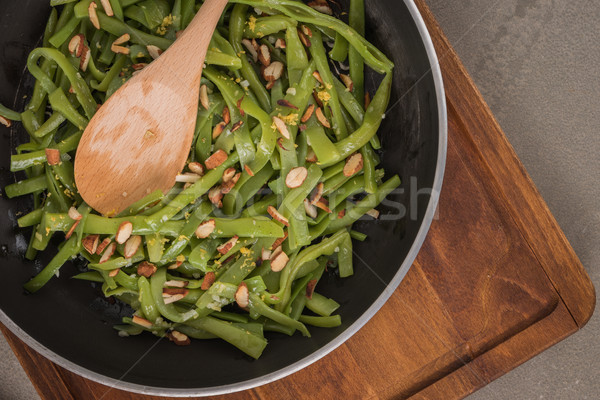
[85, 58]
[107, 7]
[321, 6]
[180, 339]
[306, 30]
[296, 177]
[341, 214]
[76, 45]
[304, 39]
[216, 159]
[373, 213]
[277, 243]
[114, 273]
[265, 254]
[72, 230]
[196, 168]
[367, 100]
[170, 299]
[154, 51]
[322, 119]
[226, 115]
[188, 177]
[273, 71]
[227, 186]
[146, 269]
[242, 295]
[120, 40]
[317, 193]
[175, 292]
[323, 205]
[281, 127]
[208, 280]
[124, 232]
[174, 266]
[215, 195]
[248, 45]
[280, 44]
[142, 322]
[280, 144]
[311, 157]
[277, 216]
[270, 85]
[354, 163]
[308, 113]
[285, 103]
[176, 284]
[205, 229]
[228, 174]
[248, 170]
[103, 245]
[139, 66]
[279, 260]
[90, 243]
[237, 126]
[317, 76]
[131, 246]
[310, 288]
[74, 214]
[317, 99]
[228, 245]
[347, 81]
[204, 97]
[93, 15]
[5, 121]
[239, 106]
[311, 210]
[264, 55]
[108, 252]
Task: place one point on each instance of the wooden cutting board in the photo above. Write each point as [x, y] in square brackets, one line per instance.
[495, 283]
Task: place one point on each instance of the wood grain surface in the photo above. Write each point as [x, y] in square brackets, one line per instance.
[495, 283]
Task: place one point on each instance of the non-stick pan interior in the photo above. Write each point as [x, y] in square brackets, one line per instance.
[72, 321]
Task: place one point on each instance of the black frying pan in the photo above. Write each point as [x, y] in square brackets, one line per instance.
[71, 323]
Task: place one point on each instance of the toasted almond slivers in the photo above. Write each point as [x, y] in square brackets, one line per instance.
[347, 81]
[85, 58]
[317, 99]
[273, 71]
[215, 195]
[270, 85]
[239, 106]
[108, 253]
[311, 210]
[218, 129]
[175, 284]
[124, 232]
[226, 115]
[216, 159]
[76, 45]
[237, 126]
[317, 194]
[131, 246]
[154, 51]
[146, 269]
[72, 230]
[5, 121]
[306, 30]
[180, 339]
[373, 213]
[74, 214]
[204, 97]
[279, 241]
[107, 7]
[280, 144]
[188, 177]
[228, 174]
[205, 229]
[139, 66]
[248, 45]
[341, 214]
[175, 265]
[279, 260]
[227, 186]
[114, 273]
[354, 163]
[141, 322]
[285, 103]
[304, 39]
[277, 216]
[310, 288]
[103, 245]
[264, 55]
[321, 6]
[322, 119]
[90, 243]
[323, 206]
[265, 254]
[208, 280]
[317, 76]
[196, 168]
[308, 113]
[280, 44]
[93, 15]
[170, 299]
[367, 100]
[311, 157]
[242, 295]
[228, 245]
[281, 127]
[296, 177]
[122, 39]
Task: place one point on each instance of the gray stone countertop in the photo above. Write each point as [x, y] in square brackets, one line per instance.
[537, 64]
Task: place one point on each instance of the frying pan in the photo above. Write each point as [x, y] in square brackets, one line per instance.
[70, 322]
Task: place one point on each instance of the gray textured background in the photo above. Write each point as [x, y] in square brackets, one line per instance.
[536, 63]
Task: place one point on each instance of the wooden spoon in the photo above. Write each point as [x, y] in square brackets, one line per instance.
[139, 140]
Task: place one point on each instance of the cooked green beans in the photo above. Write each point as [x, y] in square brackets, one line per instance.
[220, 255]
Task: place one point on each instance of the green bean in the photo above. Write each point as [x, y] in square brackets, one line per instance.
[147, 301]
[258, 306]
[26, 186]
[321, 322]
[340, 49]
[167, 310]
[356, 17]
[70, 249]
[9, 114]
[321, 305]
[91, 276]
[31, 219]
